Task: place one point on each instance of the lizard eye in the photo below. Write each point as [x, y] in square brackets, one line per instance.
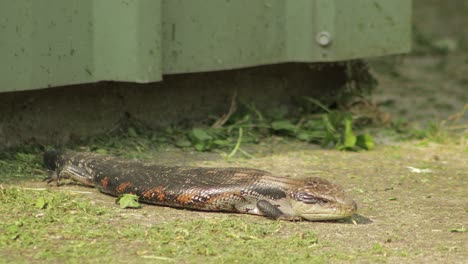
[308, 198]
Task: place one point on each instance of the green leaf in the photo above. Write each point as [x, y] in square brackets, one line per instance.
[183, 143]
[458, 230]
[201, 146]
[304, 136]
[318, 103]
[328, 124]
[349, 140]
[278, 113]
[41, 203]
[283, 125]
[200, 135]
[221, 142]
[13, 230]
[24, 157]
[101, 151]
[314, 124]
[310, 135]
[128, 201]
[365, 141]
[132, 132]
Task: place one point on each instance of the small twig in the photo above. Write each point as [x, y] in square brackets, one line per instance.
[318, 103]
[300, 122]
[232, 108]
[34, 189]
[157, 257]
[252, 108]
[458, 127]
[455, 117]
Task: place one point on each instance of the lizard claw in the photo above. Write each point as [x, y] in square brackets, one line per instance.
[53, 176]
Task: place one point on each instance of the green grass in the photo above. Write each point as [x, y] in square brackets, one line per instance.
[448, 131]
[35, 223]
[39, 225]
[21, 165]
[55, 226]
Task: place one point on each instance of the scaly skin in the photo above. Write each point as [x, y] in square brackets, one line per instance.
[239, 190]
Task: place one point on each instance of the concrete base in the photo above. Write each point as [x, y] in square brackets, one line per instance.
[56, 115]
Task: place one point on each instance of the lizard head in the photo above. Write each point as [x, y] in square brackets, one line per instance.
[50, 159]
[320, 199]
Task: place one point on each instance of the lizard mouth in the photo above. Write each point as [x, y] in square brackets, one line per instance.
[329, 211]
[320, 199]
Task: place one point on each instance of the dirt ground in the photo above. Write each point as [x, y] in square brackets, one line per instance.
[412, 195]
[410, 216]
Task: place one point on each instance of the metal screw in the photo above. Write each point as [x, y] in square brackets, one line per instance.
[323, 38]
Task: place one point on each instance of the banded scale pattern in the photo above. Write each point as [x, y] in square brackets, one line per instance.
[210, 189]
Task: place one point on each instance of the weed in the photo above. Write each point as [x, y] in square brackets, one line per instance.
[445, 131]
[316, 123]
[21, 165]
[329, 128]
[128, 201]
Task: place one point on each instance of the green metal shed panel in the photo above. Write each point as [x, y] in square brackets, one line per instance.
[56, 42]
